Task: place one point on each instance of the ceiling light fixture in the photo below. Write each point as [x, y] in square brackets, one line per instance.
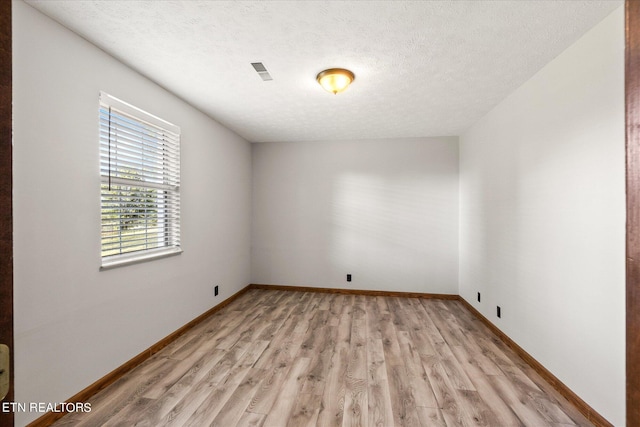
[335, 80]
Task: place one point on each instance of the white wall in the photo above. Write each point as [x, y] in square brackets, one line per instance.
[385, 211]
[542, 208]
[73, 323]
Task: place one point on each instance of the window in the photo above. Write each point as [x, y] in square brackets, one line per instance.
[140, 184]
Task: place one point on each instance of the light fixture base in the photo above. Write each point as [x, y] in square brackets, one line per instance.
[335, 80]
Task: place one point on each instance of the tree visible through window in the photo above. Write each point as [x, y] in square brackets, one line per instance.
[140, 188]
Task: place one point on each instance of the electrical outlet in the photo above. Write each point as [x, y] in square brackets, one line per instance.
[478, 296]
[348, 277]
[498, 312]
[215, 291]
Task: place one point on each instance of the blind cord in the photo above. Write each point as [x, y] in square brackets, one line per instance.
[109, 148]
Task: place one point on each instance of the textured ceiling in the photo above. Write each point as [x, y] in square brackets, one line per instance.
[423, 68]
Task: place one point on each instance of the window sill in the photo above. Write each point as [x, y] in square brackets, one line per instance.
[123, 260]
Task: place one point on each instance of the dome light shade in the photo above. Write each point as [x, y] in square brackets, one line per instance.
[335, 80]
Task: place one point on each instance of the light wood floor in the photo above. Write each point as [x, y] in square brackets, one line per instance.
[279, 358]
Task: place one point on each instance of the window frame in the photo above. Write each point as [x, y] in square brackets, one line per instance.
[169, 186]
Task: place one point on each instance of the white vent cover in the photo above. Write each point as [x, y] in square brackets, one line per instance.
[262, 71]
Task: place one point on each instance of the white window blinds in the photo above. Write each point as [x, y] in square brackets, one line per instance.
[140, 184]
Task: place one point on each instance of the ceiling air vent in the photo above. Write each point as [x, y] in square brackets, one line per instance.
[262, 71]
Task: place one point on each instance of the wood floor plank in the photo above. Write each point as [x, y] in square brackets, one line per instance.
[356, 405]
[392, 353]
[200, 391]
[213, 335]
[447, 329]
[276, 358]
[124, 416]
[475, 411]
[444, 391]
[250, 330]
[431, 417]
[178, 370]
[224, 389]
[324, 302]
[282, 346]
[455, 373]
[315, 336]
[125, 391]
[379, 399]
[417, 329]
[267, 394]
[551, 394]
[234, 408]
[357, 364]
[519, 403]
[396, 312]
[380, 409]
[510, 365]
[250, 419]
[151, 416]
[551, 411]
[423, 313]
[335, 308]
[502, 414]
[402, 402]
[320, 361]
[273, 324]
[333, 397]
[372, 311]
[332, 401]
[305, 412]
[421, 389]
[279, 357]
[479, 359]
[280, 413]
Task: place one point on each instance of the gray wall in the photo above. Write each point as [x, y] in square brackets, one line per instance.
[542, 230]
[385, 211]
[73, 323]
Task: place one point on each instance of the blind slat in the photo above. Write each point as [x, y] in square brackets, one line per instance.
[132, 121]
[158, 151]
[136, 141]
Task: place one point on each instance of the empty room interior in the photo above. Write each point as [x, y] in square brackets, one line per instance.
[442, 242]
